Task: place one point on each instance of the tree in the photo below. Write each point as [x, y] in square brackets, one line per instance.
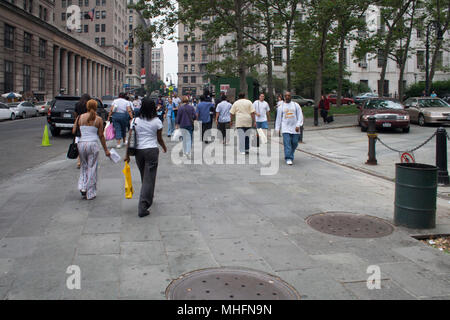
[350, 17]
[382, 43]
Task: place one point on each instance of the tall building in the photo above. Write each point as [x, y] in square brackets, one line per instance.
[158, 62]
[137, 55]
[192, 60]
[38, 59]
[103, 25]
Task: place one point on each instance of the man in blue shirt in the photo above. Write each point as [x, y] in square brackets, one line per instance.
[203, 115]
[170, 109]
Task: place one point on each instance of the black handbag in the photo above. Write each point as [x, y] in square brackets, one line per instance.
[72, 153]
[132, 141]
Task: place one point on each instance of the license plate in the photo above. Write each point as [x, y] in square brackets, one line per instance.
[67, 115]
[386, 125]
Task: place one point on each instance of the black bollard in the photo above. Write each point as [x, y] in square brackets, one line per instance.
[372, 135]
[441, 156]
[316, 116]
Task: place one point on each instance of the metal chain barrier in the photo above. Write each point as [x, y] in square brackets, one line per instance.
[412, 150]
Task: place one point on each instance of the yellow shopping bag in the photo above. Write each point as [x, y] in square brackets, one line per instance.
[128, 184]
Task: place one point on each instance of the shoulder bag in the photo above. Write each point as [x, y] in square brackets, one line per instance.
[132, 140]
[72, 153]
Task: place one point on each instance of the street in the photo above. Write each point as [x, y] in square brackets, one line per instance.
[213, 216]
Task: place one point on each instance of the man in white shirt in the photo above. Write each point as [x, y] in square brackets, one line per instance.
[262, 115]
[223, 117]
[244, 112]
[289, 119]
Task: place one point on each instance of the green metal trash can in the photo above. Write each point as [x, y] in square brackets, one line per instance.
[415, 195]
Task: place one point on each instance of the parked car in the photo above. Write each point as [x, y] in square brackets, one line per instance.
[333, 99]
[61, 115]
[6, 112]
[302, 101]
[446, 97]
[389, 113]
[359, 99]
[23, 109]
[42, 107]
[425, 110]
[107, 101]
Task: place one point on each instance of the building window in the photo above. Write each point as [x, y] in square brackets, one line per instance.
[102, 42]
[103, 14]
[185, 68]
[193, 68]
[86, 3]
[103, 27]
[97, 28]
[42, 48]
[26, 78]
[192, 56]
[9, 76]
[41, 85]
[103, 2]
[9, 36]
[130, 62]
[131, 19]
[193, 47]
[64, 3]
[185, 79]
[380, 59]
[193, 79]
[86, 28]
[45, 14]
[97, 40]
[185, 57]
[204, 48]
[278, 56]
[27, 42]
[420, 59]
[130, 54]
[97, 15]
[186, 28]
[130, 71]
[185, 48]
[204, 57]
[63, 16]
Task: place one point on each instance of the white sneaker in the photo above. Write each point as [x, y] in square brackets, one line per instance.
[119, 146]
[289, 162]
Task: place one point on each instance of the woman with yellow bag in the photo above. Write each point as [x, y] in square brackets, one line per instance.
[148, 130]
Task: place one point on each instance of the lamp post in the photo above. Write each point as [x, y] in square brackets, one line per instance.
[437, 27]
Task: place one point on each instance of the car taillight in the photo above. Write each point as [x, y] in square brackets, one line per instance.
[49, 113]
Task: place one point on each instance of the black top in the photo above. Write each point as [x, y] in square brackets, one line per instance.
[80, 108]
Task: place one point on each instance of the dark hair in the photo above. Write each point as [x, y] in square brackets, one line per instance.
[241, 95]
[122, 95]
[223, 98]
[148, 109]
[81, 106]
[202, 97]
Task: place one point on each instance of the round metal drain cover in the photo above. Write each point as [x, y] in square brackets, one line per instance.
[230, 284]
[350, 225]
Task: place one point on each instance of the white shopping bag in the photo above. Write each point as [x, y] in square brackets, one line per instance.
[262, 136]
[176, 135]
[115, 157]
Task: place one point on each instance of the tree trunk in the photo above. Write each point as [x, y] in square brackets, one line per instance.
[434, 60]
[270, 73]
[320, 65]
[240, 47]
[381, 92]
[341, 70]
[404, 57]
[288, 57]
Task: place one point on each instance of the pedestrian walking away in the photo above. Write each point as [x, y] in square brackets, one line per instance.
[91, 128]
[136, 106]
[244, 112]
[120, 113]
[223, 117]
[262, 115]
[324, 107]
[80, 108]
[148, 128]
[289, 121]
[185, 120]
[204, 115]
[170, 115]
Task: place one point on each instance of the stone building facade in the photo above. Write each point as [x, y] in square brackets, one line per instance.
[158, 62]
[37, 59]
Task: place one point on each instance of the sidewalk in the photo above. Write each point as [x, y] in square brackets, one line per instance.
[207, 216]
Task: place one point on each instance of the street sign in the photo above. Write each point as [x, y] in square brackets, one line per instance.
[407, 157]
[224, 88]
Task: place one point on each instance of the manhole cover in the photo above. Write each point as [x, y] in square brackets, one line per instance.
[350, 225]
[230, 284]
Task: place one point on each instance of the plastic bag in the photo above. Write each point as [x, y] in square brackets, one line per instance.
[176, 135]
[262, 136]
[109, 133]
[115, 157]
[128, 184]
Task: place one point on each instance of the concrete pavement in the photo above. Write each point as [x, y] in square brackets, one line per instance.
[209, 216]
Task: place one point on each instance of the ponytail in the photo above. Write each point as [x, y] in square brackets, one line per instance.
[92, 109]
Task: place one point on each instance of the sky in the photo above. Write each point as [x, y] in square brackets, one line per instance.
[170, 60]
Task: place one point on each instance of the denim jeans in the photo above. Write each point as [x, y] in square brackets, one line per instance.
[171, 126]
[244, 140]
[187, 139]
[290, 142]
[120, 122]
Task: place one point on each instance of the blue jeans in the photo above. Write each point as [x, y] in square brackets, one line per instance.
[244, 140]
[120, 122]
[290, 142]
[171, 126]
[187, 139]
[262, 125]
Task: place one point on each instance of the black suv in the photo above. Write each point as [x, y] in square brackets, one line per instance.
[61, 115]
